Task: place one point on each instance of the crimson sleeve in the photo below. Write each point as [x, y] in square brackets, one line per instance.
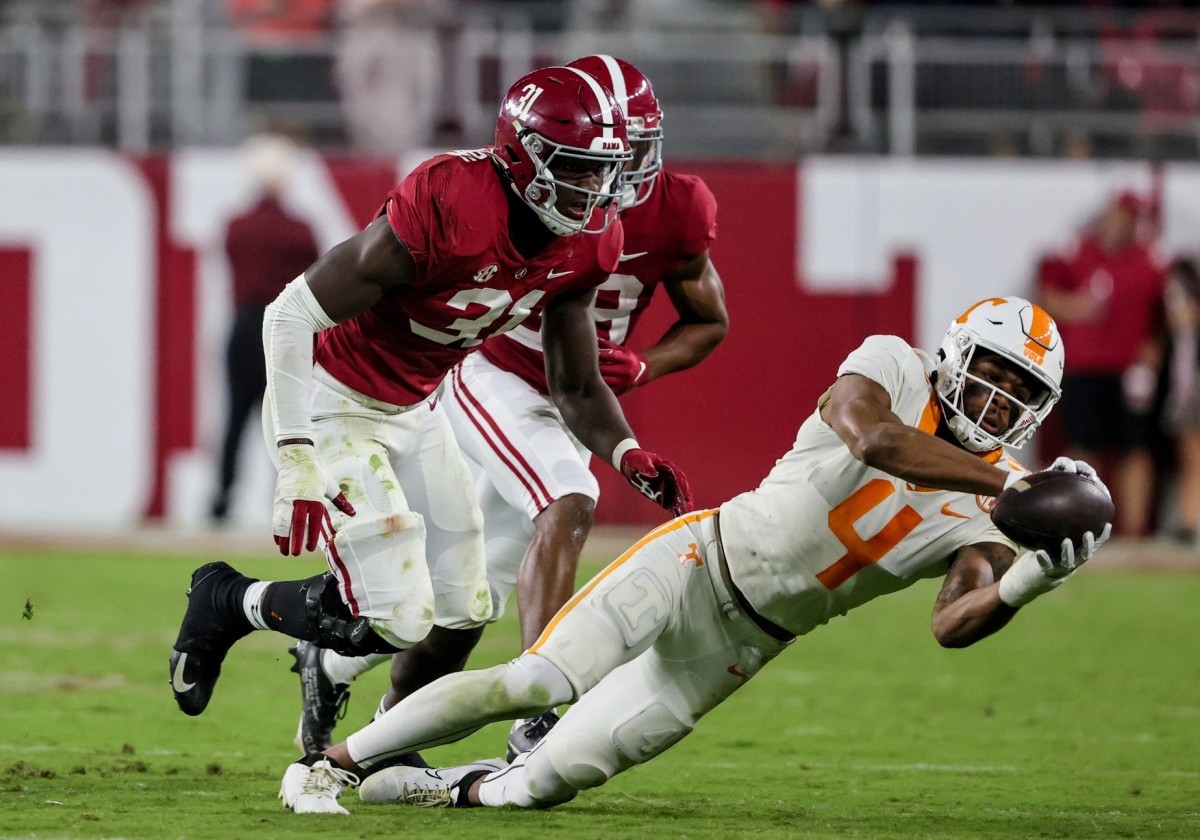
[699, 214]
[411, 214]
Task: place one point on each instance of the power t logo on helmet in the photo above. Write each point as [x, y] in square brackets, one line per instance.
[560, 132]
[1022, 335]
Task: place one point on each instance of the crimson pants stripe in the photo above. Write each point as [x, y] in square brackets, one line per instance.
[503, 448]
[343, 572]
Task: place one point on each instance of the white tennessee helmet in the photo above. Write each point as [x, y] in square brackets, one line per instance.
[1024, 336]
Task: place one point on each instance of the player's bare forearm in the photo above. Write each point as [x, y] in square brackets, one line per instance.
[859, 411]
[353, 275]
[922, 459]
[586, 403]
[594, 416]
[699, 299]
[968, 607]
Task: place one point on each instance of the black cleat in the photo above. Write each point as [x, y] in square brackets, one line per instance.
[528, 734]
[204, 639]
[324, 702]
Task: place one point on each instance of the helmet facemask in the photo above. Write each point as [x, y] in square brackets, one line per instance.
[954, 381]
[637, 181]
[542, 193]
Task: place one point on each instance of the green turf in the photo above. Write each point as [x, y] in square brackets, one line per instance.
[1080, 720]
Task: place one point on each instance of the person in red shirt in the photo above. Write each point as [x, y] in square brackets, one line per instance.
[467, 247]
[1105, 293]
[531, 475]
[267, 246]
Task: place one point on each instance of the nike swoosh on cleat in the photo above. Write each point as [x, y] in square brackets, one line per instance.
[554, 274]
[946, 510]
[627, 257]
[177, 681]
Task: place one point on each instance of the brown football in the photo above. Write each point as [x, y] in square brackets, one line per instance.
[1042, 509]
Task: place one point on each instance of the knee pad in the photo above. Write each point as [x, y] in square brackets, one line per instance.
[651, 730]
[335, 627]
[387, 555]
[585, 757]
[542, 786]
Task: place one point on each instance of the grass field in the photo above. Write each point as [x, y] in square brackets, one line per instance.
[1080, 720]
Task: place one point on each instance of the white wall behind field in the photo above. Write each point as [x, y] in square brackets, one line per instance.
[976, 227]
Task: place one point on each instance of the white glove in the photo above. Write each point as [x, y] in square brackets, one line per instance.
[1035, 573]
[300, 516]
[1083, 468]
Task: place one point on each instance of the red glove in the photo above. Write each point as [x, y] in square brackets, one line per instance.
[658, 480]
[300, 517]
[621, 368]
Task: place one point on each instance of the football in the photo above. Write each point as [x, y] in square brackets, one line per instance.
[1042, 509]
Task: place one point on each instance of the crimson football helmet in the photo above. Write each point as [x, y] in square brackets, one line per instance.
[1025, 337]
[635, 95]
[557, 126]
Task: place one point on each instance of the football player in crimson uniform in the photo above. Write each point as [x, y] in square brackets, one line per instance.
[890, 481]
[467, 247]
[530, 472]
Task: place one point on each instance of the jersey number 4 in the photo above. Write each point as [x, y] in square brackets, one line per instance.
[860, 552]
[466, 332]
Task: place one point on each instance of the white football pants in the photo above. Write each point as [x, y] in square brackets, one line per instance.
[412, 556]
[522, 457]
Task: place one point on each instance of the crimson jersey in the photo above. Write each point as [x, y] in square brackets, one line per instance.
[451, 213]
[1130, 281]
[677, 222]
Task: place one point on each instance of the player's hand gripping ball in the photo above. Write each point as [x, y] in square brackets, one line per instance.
[1043, 509]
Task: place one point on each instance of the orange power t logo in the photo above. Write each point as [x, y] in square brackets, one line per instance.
[692, 554]
[1041, 335]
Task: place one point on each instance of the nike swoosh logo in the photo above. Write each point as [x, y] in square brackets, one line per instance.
[625, 257]
[554, 274]
[946, 510]
[177, 681]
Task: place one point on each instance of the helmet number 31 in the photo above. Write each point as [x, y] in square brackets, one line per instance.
[529, 95]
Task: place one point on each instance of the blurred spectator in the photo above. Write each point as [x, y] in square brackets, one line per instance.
[1155, 62]
[1106, 295]
[283, 22]
[281, 65]
[389, 72]
[1181, 416]
[267, 248]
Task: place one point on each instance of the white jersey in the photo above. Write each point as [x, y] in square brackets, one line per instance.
[825, 533]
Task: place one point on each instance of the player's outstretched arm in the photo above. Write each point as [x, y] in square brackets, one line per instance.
[698, 296]
[968, 607]
[859, 410]
[988, 583]
[590, 409]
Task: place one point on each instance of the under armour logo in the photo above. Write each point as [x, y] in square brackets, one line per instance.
[643, 486]
[485, 274]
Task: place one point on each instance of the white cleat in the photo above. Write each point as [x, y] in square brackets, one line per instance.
[421, 786]
[315, 789]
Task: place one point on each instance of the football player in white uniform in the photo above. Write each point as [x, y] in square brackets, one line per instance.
[890, 480]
